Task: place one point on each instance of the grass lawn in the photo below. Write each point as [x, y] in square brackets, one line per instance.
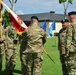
[49, 67]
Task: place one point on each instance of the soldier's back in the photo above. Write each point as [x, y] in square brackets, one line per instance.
[34, 37]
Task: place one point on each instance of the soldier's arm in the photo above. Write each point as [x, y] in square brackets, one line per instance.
[6, 37]
[69, 39]
[44, 38]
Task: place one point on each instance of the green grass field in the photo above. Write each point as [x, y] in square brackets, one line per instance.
[49, 67]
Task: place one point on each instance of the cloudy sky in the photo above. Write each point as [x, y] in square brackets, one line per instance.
[40, 6]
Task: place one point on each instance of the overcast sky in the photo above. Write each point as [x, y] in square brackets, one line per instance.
[40, 6]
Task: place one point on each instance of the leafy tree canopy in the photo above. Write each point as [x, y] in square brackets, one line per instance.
[6, 17]
[62, 1]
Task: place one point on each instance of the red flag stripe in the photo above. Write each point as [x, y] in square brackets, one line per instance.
[16, 25]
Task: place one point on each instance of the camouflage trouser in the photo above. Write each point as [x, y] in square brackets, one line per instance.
[71, 63]
[11, 57]
[31, 63]
[64, 68]
[1, 54]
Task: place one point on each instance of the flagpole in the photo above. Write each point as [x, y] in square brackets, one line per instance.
[48, 55]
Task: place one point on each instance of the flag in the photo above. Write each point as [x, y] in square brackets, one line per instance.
[17, 21]
[52, 27]
[44, 26]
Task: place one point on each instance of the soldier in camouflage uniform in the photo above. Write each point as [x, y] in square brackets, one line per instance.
[11, 48]
[71, 44]
[32, 48]
[62, 43]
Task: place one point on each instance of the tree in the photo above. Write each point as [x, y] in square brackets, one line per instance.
[65, 4]
[6, 17]
[12, 2]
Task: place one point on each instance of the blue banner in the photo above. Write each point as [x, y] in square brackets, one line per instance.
[52, 27]
[44, 26]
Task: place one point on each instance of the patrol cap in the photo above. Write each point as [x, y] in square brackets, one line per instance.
[35, 17]
[64, 20]
[72, 13]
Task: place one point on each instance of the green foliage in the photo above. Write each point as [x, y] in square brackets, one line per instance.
[7, 18]
[70, 1]
[61, 1]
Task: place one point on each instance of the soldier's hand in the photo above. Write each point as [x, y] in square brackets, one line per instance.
[1, 39]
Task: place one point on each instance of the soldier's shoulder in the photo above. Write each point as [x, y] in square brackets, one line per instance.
[70, 26]
[70, 29]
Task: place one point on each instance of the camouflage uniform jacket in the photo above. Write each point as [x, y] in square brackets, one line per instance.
[71, 38]
[62, 40]
[35, 38]
[11, 35]
[23, 42]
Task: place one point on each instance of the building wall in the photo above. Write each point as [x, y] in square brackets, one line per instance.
[58, 27]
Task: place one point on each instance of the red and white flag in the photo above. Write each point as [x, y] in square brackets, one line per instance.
[17, 21]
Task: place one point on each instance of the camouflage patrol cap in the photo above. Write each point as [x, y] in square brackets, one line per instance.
[35, 17]
[64, 20]
[72, 13]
